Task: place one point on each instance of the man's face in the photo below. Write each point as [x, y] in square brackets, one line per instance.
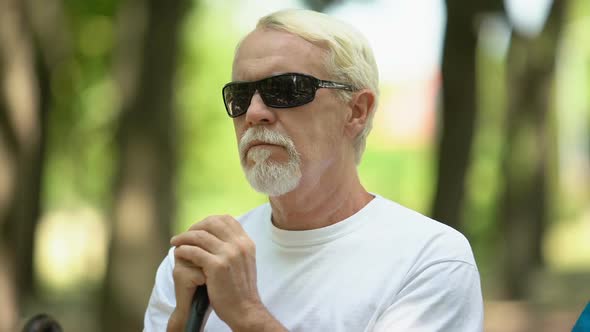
[309, 140]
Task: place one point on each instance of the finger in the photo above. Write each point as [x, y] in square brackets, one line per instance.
[224, 227]
[195, 255]
[240, 239]
[199, 238]
[187, 277]
[229, 231]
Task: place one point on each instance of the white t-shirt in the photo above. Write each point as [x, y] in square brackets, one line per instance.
[386, 268]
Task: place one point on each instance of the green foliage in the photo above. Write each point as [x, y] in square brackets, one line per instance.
[402, 175]
[83, 109]
[483, 186]
[210, 179]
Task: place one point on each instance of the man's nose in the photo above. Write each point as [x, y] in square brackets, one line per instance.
[258, 112]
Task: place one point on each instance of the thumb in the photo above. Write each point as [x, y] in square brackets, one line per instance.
[187, 278]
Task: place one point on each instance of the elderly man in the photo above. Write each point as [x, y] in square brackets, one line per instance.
[324, 254]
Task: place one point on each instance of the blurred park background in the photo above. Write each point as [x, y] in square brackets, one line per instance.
[113, 136]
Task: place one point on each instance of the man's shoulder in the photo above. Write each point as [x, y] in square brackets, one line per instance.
[405, 219]
[429, 238]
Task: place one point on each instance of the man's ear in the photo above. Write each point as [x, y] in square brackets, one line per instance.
[361, 106]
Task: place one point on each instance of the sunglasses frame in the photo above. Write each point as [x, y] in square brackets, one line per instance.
[317, 84]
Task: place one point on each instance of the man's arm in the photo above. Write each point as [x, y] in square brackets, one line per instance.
[218, 252]
[445, 296]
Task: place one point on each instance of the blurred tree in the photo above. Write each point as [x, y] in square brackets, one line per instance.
[529, 147]
[23, 122]
[143, 202]
[459, 111]
[321, 5]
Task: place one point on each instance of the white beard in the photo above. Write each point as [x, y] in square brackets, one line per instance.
[265, 176]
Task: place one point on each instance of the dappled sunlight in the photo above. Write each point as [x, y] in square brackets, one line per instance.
[567, 246]
[71, 248]
[136, 214]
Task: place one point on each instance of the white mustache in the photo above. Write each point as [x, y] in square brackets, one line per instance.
[265, 135]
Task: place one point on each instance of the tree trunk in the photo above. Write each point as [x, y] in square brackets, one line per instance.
[459, 107]
[23, 128]
[321, 5]
[528, 151]
[459, 112]
[143, 189]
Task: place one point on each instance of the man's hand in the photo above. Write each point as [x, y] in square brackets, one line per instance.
[218, 252]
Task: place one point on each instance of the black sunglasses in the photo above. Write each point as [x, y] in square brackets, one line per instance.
[280, 91]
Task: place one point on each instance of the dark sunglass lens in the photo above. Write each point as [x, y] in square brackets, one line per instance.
[237, 97]
[287, 90]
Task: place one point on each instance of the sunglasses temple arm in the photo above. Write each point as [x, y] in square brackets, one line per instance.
[334, 85]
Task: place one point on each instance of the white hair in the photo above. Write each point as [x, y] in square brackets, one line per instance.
[350, 58]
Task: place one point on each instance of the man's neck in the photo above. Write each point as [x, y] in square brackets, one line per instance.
[315, 205]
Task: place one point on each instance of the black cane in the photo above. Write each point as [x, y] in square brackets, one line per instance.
[198, 310]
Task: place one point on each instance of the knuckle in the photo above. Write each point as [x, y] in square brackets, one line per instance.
[196, 236]
[207, 219]
[246, 245]
[194, 226]
[214, 218]
[241, 249]
[233, 252]
[201, 223]
[225, 219]
[207, 222]
[221, 264]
